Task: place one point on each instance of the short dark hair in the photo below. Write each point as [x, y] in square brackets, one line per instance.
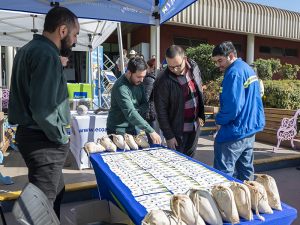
[151, 62]
[58, 16]
[224, 49]
[136, 64]
[173, 51]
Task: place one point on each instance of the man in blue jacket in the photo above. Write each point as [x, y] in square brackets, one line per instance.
[241, 114]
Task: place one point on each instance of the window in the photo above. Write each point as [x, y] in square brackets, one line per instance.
[110, 47]
[238, 47]
[196, 43]
[106, 47]
[265, 49]
[277, 51]
[182, 41]
[188, 42]
[291, 52]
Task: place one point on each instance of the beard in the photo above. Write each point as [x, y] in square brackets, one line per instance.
[66, 47]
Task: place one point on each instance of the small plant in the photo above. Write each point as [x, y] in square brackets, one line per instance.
[289, 71]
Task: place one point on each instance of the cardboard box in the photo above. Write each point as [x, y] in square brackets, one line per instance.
[99, 212]
[80, 90]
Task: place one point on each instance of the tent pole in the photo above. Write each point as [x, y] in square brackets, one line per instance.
[99, 78]
[91, 75]
[157, 34]
[120, 47]
[157, 26]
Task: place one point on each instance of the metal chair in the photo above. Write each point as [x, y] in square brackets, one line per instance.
[33, 208]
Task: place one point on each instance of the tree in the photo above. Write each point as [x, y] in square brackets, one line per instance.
[202, 56]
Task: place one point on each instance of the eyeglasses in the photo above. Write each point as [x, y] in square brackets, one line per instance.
[176, 67]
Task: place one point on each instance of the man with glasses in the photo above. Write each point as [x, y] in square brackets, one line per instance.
[241, 114]
[178, 101]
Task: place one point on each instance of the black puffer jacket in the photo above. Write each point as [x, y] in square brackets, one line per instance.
[148, 86]
[169, 101]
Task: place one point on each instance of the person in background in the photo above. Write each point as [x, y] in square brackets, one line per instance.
[129, 104]
[148, 86]
[179, 101]
[241, 114]
[261, 83]
[118, 71]
[39, 103]
[132, 54]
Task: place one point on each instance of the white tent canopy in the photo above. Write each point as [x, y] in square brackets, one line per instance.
[17, 29]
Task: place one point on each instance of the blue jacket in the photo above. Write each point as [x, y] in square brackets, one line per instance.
[241, 110]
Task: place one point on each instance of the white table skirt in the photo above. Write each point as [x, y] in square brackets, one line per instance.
[85, 129]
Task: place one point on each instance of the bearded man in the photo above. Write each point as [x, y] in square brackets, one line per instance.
[129, 103]
[39, 104]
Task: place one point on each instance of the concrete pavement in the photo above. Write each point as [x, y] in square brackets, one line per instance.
[264, 157]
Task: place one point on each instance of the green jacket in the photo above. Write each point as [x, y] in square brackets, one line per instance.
[128, 103]
[38, 94]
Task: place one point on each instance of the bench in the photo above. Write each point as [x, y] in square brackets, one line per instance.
[273, 123]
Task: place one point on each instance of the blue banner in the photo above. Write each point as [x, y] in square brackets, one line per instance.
[169, 8]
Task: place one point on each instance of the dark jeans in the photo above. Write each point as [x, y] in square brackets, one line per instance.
[187, 144]
[45, 161]
[235, 158]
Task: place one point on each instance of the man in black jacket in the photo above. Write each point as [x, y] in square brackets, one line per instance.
[179, 102]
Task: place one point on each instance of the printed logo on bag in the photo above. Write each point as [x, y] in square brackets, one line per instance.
[98, 129]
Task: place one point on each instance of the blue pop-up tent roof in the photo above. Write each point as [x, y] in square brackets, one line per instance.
[134, 11]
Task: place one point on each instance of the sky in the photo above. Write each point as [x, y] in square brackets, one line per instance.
[292, 5]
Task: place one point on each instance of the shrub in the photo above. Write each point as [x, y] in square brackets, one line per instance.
[212, 92]
[283, 94]
[267, 67]
[275, 65]
[202, 56]
[289, 71]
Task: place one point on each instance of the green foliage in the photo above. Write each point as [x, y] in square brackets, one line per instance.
[202, 56]
[275, 65]
[212, 92]
[284, 94]
[289, 71]
[267, 67]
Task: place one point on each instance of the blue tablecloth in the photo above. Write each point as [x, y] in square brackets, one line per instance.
[112, 188]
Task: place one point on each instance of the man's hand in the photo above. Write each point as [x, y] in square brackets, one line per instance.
[155, 138]
[172, 143]
[218, 128]
[200, 122]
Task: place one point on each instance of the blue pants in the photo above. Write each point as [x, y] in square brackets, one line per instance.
[235, 158]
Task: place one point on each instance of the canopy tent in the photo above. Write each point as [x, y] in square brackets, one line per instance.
[135, 11]
[17, 29]
[153, 12]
